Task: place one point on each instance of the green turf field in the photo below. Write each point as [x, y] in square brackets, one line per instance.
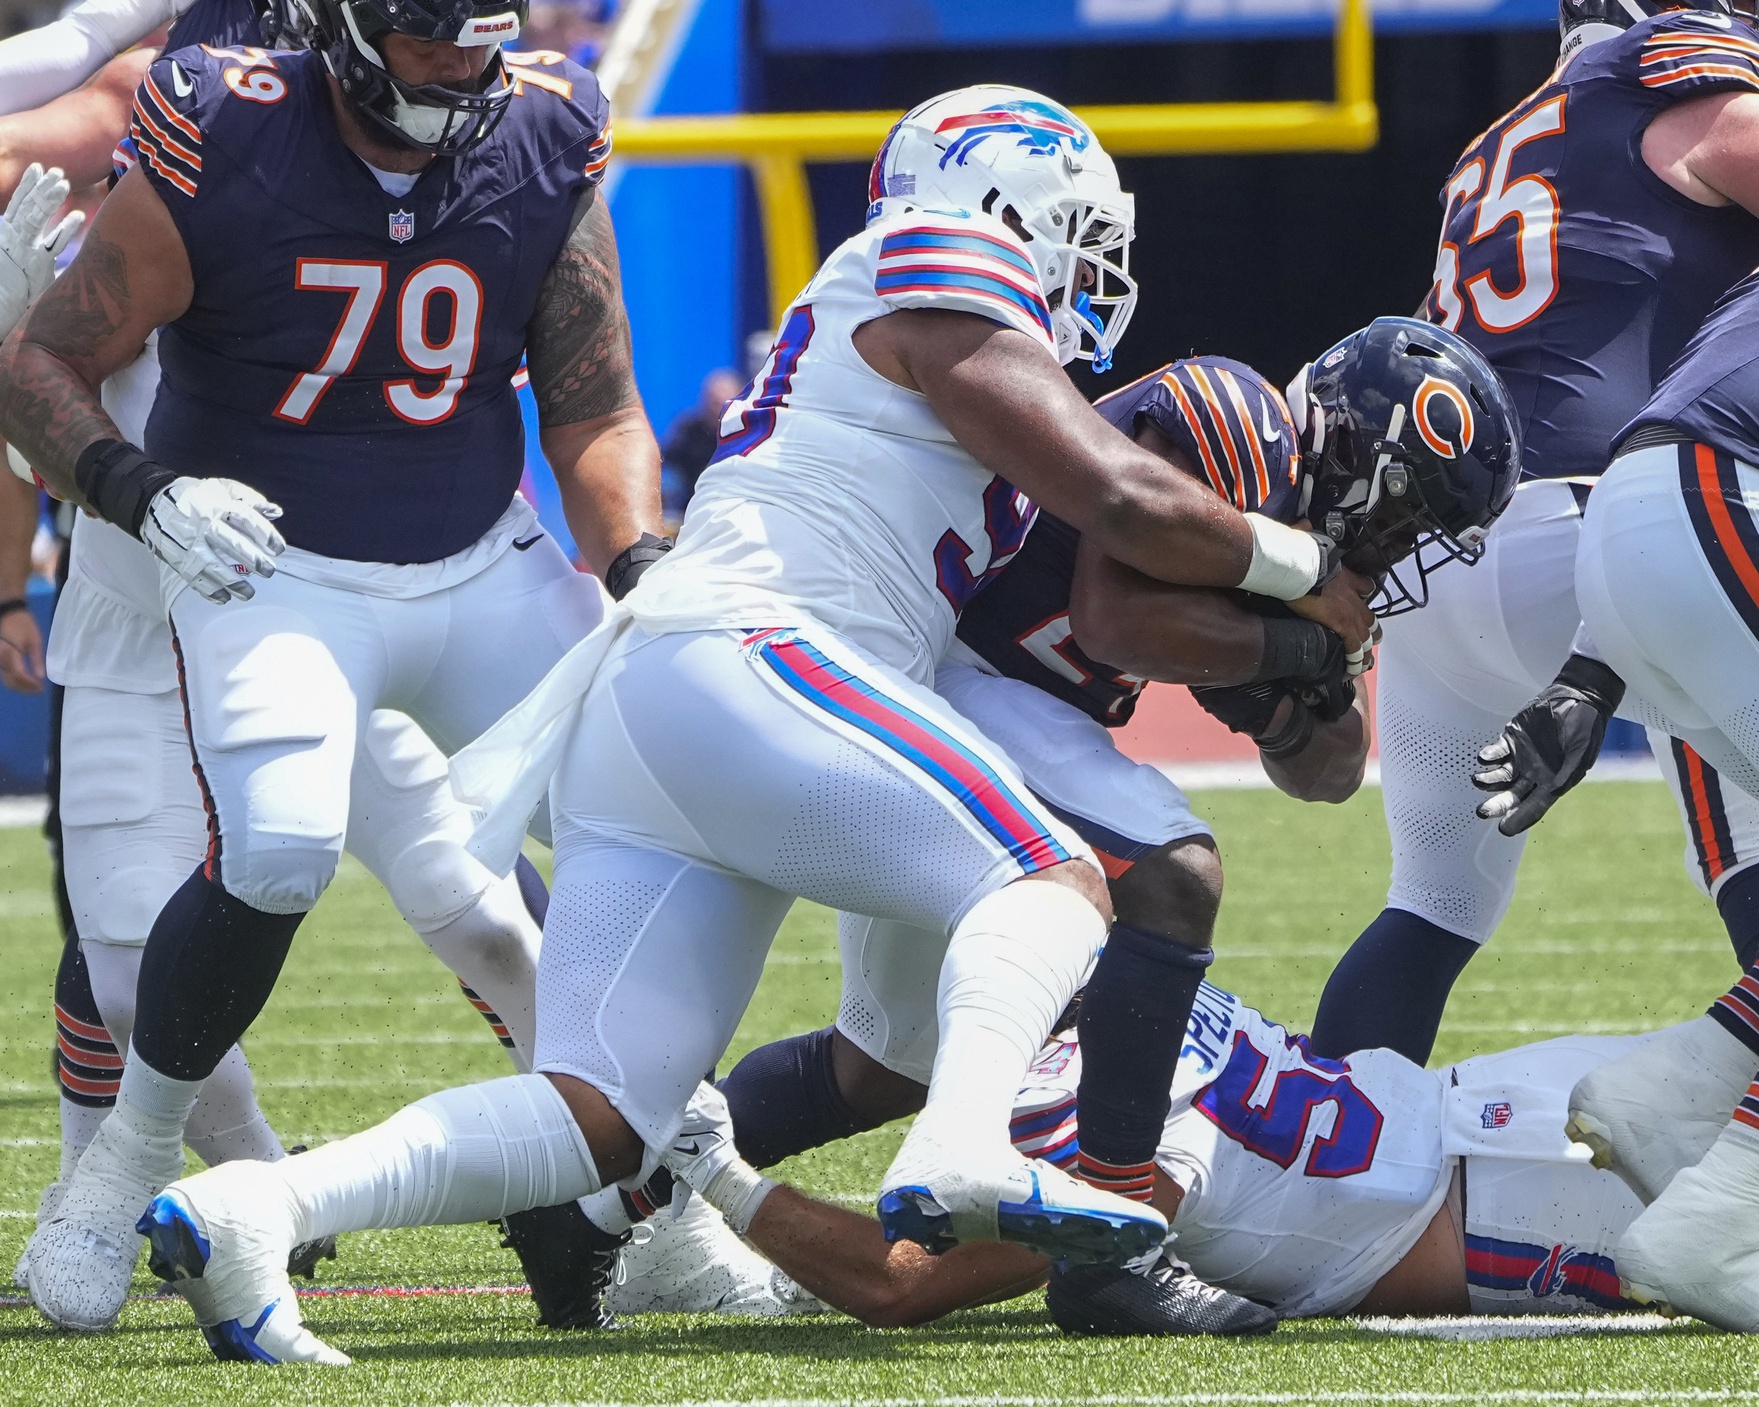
[1605, 936]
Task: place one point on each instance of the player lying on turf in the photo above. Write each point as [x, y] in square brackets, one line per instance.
[754, 724]
[1314, 1187]
[1028, 668]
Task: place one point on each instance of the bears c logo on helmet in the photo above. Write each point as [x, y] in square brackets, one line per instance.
[1449, 434]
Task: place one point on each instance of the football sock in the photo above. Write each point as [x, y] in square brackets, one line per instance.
[88, 1066]
[1134, 1011]
[1390, 988]
[493, 947]
[1014, 962]
[208, 969]
[153, 1104]
[1744, 1127]
[532, 890]
[1737, 1010]
[784, 1099]
[477, 1153]
[1738, 903]
[227, 1122]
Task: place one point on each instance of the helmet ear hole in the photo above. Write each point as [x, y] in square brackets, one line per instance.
[990, 199]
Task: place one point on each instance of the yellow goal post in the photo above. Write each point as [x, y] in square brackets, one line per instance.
[777, 145]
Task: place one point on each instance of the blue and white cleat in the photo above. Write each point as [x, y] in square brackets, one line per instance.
[939, 1201]
[221, 1238]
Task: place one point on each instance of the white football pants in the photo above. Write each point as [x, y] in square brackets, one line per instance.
[1452, 675]
[713, 777]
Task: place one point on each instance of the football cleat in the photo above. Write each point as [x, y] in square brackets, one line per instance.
[222, 1240]
[81, 1262]
[303, 1259]
[1695, 1250]
[939, 1200]
[1161, 1298]
[569, 1264]
[1657, 1110]
[47, 1205]
[692, 1263]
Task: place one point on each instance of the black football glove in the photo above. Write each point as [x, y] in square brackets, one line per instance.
[1330, 699]
[1249, 708]
[1548, 746]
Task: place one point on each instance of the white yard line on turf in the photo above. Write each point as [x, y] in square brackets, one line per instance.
[23, 810]
[1475, 1328]
[1219, 1399]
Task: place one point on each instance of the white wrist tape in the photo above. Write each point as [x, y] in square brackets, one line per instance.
[736, 1192]
[1285, 563]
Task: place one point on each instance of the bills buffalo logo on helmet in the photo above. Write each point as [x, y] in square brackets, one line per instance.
[1045, 128]
[1443, 417]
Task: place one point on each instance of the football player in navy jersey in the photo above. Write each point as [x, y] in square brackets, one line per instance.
[1667, 577]
[356, 366]
[1027, 670]
[1585, 236]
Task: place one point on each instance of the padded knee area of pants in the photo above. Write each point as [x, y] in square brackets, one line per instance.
[433, 882]
[281, 874]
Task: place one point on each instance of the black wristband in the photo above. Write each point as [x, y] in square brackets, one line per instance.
[1595, 679]
[1292, 737]
[118, 481]
[16, 603]
[1298, 650]
[1331, 561]
[628, 565]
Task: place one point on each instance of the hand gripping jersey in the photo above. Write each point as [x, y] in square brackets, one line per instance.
[1305, 1179]
[838, 497]
[1576, 270]
[347, 352]
[1232, 428]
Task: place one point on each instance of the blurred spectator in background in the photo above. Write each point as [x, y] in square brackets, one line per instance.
[690, 441]
[577, 28]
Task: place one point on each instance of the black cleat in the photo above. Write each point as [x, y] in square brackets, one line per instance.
[568, 1263]
[303, 1259]
[1164, 1299]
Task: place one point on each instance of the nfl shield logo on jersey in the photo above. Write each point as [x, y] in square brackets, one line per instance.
[402, 226]
[1497, 1116]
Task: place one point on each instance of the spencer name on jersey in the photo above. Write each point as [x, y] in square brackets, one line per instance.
[1231, 429]
[1577, 271]
[347, 352]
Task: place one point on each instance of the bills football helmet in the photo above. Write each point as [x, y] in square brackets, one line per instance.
[1410, 450]
[1584, 22]
[1030, 162]
[445, 121]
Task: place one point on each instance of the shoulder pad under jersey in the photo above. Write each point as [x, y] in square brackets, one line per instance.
[969, 263]
[1688, 53]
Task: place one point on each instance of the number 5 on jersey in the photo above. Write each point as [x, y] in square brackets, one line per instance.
[363, 280]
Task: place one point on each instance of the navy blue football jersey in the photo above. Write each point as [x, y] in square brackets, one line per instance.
[1577, 271]
[222, 23]
[1232, 429]
[350, 353]
[1712, 393]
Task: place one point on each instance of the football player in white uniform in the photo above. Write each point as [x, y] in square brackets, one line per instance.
[1315, 1187]
[756, 724]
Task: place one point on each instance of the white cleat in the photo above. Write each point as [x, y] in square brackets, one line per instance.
[1696, 1249]
[47, 1205]
[1657, 1110]
[81, 1262]
[692, 1263]
[938, 1199]
[221, 1238]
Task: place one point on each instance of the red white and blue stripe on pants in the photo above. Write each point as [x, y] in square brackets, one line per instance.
[960, 772]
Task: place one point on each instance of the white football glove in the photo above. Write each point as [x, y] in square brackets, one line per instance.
[703, 1158]
[28, 246]
[214, 533]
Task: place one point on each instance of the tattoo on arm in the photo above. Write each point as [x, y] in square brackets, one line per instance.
[47, 407]
[577, 346]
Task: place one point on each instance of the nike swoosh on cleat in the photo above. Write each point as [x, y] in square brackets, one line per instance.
[521, 546]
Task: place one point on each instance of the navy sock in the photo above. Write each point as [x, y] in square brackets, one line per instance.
[1738, 903]
[88, 1066]
[531, 889]
[1390, 988]
[209, 966]
[784, 1099]
[1134, 1011]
